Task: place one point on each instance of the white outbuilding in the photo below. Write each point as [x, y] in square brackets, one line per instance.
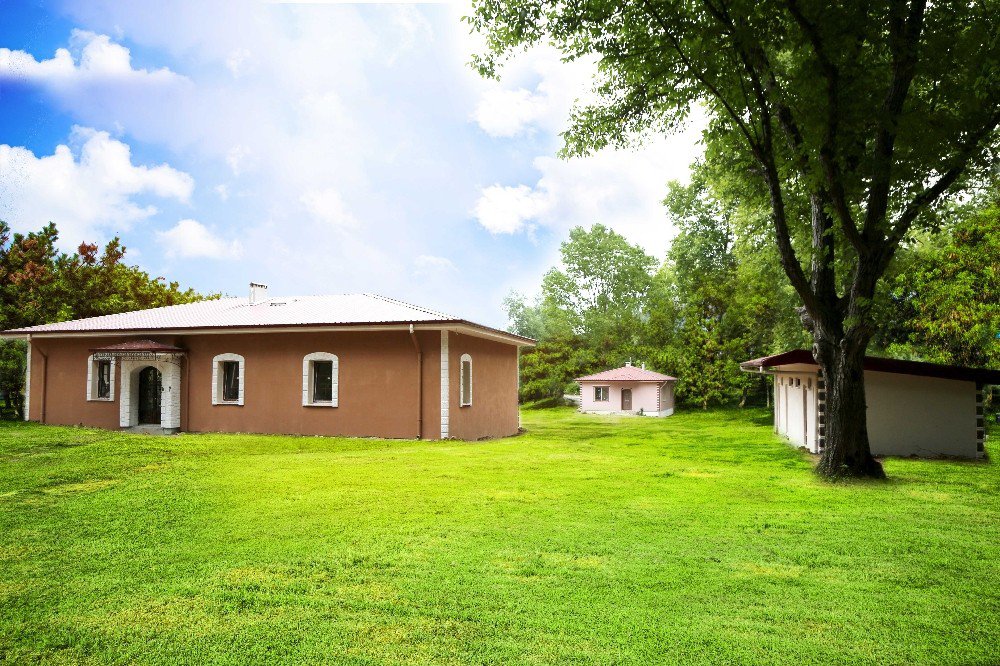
[627, 390]
[914, 408]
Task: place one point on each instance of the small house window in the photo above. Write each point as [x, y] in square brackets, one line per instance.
[100, 379]
[602, 393]
[320, 381]
[228, 379]
[465, 391]
[104, 380]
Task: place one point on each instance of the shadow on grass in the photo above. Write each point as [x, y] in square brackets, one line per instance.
[545, 403]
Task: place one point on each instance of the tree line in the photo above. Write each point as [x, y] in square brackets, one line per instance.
[720, 297]
[39, 284]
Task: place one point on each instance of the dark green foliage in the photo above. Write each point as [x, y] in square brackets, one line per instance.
[39, 285]
[947, 295]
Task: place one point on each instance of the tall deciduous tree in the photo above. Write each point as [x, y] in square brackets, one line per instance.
[851, 118]
[39, 284]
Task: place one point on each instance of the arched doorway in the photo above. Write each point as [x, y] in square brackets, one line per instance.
[150, 387]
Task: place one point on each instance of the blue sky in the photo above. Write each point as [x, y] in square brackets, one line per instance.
[319, 148]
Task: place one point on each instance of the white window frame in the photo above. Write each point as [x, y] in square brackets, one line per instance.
[217, 378]
[466, 358]
[598, 390]
[92, 379]
[307, 379]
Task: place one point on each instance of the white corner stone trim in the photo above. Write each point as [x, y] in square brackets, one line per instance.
[27, 383]
[92, 381]
[307, 379]
[170, 398]
[216, 379]
[444, 384]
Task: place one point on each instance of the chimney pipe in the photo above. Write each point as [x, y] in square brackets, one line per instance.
[644, 366]
[258, 292]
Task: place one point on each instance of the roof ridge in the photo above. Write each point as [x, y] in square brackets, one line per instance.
[409, 305]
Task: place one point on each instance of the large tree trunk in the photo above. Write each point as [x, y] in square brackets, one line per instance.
[846, 452]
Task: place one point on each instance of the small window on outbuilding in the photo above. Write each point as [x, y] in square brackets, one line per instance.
[228, 379]
[602, 393]
[320, 380]
[100, 379]
[465, 388]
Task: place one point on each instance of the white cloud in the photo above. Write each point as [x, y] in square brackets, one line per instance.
[508, 210]
[428, 265]
[360, 140]
[621, 189]
[97, 60]
[507, 113]
[328, 207]
[237, 158]
[83, 193]
[238, 61]
[509, 108]
[191, 239]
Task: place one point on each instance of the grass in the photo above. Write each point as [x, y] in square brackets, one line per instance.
[700, 538]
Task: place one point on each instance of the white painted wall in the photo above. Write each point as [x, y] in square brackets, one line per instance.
[923, 416]
[795, 408]
[907, 414]
[643, 397]
[27, 384]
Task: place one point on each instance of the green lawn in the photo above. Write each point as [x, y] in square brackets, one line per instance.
[697, 538]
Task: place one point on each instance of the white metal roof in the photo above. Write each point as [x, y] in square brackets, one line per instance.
[238, 313]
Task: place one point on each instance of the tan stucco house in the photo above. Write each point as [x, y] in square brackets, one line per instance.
[627, 390]
[351, 364]
[914, 408]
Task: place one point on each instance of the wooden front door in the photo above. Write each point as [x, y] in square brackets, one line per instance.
[150, 385]
[626, 400]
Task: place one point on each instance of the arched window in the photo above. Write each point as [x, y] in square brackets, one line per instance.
[320, 380]
[228, 379]
[465, 382]
[100, 379]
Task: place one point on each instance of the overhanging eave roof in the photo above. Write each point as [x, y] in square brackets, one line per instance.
[879, 364]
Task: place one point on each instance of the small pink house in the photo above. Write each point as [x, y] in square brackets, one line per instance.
[627, 390]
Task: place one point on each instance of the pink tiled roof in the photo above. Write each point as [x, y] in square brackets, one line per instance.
[138, 346]
[627, 373]
[334, 310]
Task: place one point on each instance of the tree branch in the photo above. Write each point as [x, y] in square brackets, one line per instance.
[702, 78]
[828, 151]
[930, 194]
[904, 38]
[768, 92]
